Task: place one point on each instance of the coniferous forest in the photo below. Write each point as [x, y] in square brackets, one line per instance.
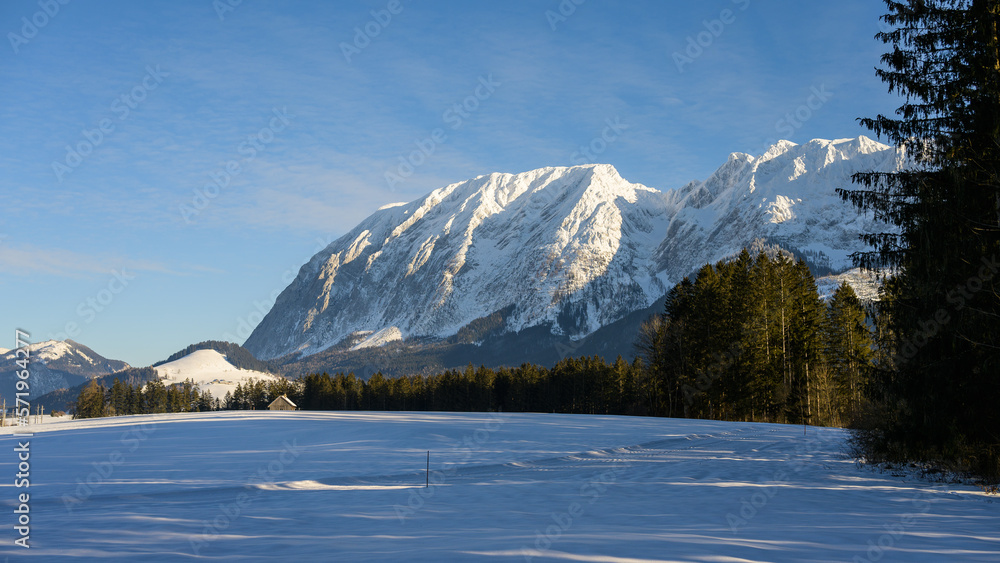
[748, 339]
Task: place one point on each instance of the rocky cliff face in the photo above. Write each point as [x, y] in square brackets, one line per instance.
[572, 249]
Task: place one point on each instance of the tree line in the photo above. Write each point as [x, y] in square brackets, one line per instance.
[748, 339]
[751, 339]
[152, 397]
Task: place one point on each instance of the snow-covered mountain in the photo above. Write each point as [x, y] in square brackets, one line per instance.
[209, 371]
[572, 249]
[55, 364]
[787, 196]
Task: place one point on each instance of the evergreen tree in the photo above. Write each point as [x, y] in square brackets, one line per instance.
[848, 342]
[942, 305]
[118, 399]
[155, 397]
[806, 315]
[90, 403]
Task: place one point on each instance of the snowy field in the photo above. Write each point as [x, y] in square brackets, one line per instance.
[307, 486]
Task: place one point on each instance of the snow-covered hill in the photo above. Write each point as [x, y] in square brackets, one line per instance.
[326, 486]
[210, 371]
[573, 249]
[55, 364]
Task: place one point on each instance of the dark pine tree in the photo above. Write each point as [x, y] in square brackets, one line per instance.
[848, 343]
[941, 312]
[91, 401]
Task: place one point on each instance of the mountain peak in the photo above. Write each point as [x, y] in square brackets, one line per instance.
[549, 241]
[571, 248]
[56, 364]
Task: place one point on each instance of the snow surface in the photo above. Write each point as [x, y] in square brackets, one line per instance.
[864, 283]
[46, 351]
[570, 248]
[380, 338]
[50, 350]
[210, 371]
[312, 486]
[391, 205]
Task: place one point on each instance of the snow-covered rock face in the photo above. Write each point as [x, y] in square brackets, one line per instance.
[54, 364]
[64, 355]
[571, 248]
[787, 196]
[380, 338]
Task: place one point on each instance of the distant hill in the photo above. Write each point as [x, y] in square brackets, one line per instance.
[54, 364]
[210, 371]
[60, 391]
[64, 399]
[235, 354]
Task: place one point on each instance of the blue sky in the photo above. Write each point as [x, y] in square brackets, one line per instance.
[166, 167]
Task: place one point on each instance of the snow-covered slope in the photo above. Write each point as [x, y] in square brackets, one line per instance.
[865, 284]
[54, 364]
[349, 486]
[68, 356]
[787, 196]
[210, 371]
[380, 338]
[573, 249]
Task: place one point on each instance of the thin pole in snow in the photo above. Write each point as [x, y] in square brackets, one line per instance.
[428, 473]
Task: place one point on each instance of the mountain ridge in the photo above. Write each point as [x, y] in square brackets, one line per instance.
[571, 248]
[54, 364]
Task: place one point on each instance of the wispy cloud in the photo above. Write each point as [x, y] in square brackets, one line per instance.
[23, 260]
